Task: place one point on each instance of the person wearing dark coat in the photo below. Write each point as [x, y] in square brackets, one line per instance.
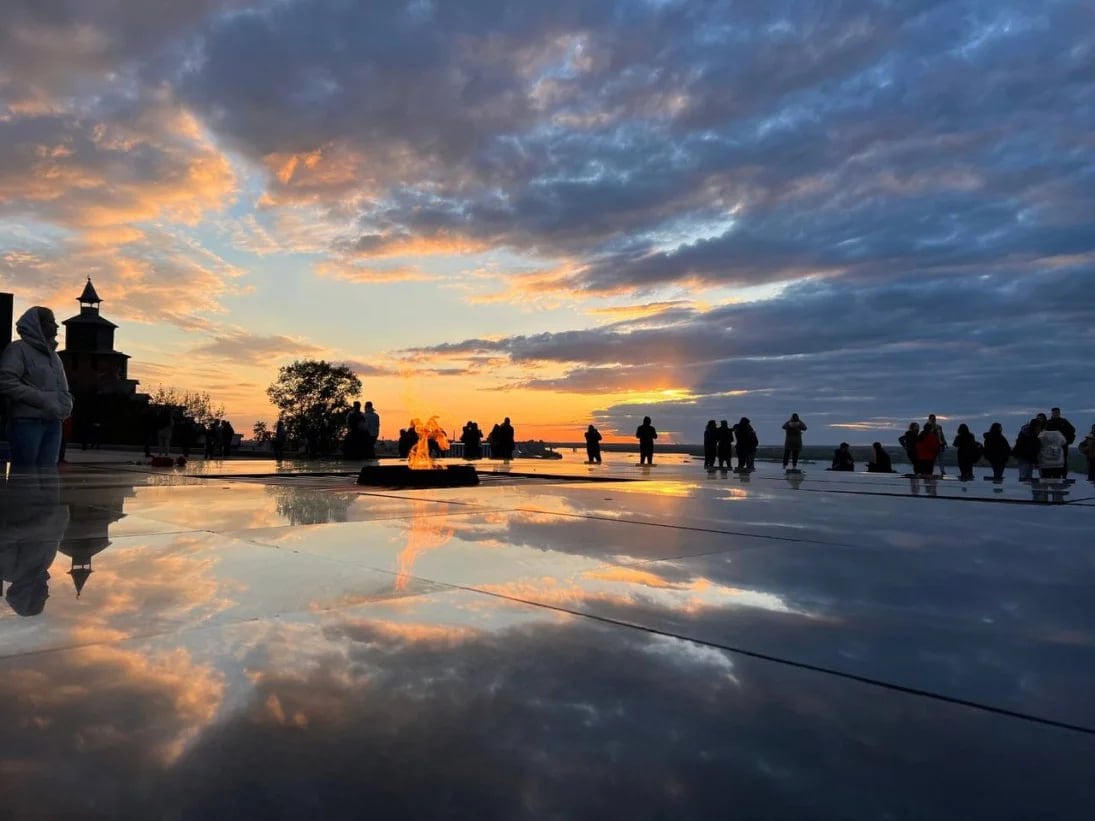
[506, 440]
[472, 438]
[593, 445]
[997, 450]
[228, 434]
[908, 441]
[969, 451]
[1026, 449]
[880, 460]
[1087, 448]
[842, 458]
[724, 449]
[792, 442]
[747, 445]
[710, 444]
[646, 434]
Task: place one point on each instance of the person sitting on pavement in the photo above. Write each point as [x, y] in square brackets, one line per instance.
[880, 460]
[842, 458]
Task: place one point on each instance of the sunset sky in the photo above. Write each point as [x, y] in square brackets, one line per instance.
[572, 211]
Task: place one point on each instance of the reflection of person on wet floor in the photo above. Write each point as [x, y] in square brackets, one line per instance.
[505, 439]
[724, 450]
[646, 434]
[880, 460]
[32, 524]
[472, 438]
[792, 442]
[747, 445]
[842, 458]
[710, 443]
[593, 445]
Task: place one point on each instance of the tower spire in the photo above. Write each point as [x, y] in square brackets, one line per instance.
[89, 298]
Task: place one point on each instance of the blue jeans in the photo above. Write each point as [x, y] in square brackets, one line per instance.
[34, 442]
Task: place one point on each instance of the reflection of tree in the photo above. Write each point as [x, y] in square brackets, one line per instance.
[426, 533]
[310, 505]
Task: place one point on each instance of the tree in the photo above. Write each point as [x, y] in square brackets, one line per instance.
[261, 434]
[314, 398]
[198, 405]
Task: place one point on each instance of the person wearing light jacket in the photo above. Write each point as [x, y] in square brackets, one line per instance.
[32, 380]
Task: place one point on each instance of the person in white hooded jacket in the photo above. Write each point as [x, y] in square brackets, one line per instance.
[32, 380]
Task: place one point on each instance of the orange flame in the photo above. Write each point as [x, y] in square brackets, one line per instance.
[419, 457]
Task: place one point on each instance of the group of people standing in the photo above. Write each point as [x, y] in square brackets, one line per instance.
[362, 431]
[1041, 443]
[720, 442]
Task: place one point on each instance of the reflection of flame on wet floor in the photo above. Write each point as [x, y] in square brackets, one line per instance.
[428, 532]
[419, 458]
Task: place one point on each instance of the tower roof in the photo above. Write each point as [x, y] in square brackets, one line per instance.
[89, 296]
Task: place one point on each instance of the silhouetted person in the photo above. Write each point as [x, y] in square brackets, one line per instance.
[997, 450]
[969, 451]
[506, 441]
[281, 436]
[165, 426]
[710, 444]
[842, 458]
[354, 445]
[747, 445]
[942, 443]
[792, 440]
[472, 437]
[408, 438]
[1026, 449]
[724, 449]
[908, 442]
[1087, 448]
[213, 439]
[646, 434]
[228, 434]
[1065, 428]
[32, 379]
[370, 428]
[880, 460]
[593, 445]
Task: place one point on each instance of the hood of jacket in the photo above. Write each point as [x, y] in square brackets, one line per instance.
[30, 331]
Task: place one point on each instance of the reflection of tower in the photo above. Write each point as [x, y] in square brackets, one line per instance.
[88, 530]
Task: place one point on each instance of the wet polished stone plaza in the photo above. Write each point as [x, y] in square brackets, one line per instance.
[564, 640]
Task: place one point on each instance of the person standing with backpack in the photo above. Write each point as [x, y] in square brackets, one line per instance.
[969, 452]
[1065, 428]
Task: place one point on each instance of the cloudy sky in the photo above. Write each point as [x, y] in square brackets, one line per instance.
[569, 212]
